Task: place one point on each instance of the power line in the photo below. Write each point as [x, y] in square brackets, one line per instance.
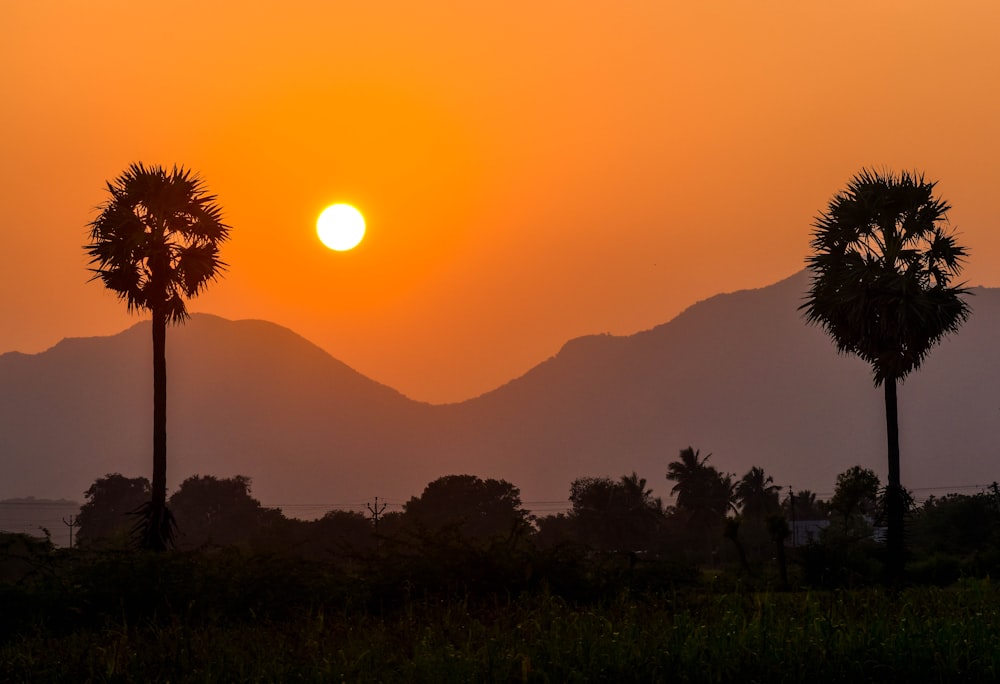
[41, 504]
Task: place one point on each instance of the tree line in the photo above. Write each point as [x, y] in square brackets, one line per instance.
[716, 521]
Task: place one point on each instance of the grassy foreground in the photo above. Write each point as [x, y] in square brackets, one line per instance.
[239, 621]
[924, 634]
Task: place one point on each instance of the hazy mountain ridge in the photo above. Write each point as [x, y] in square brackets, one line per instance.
[708, 378]
[28, 515]
[740, 375]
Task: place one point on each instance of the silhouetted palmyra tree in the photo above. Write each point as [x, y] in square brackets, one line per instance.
[156, 242]
[882, 265]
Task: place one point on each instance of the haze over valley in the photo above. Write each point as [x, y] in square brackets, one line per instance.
[739, 375]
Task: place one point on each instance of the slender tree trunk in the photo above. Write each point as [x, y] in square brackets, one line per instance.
[779, 547]
[731, 531]
[894, 491]
[158, 523]
[777, 527]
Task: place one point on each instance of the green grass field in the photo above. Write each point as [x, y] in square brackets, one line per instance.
[232, 618]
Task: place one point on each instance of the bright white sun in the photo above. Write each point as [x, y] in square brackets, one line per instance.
[340, 227]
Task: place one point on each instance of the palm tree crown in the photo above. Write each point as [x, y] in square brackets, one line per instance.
[757, 494]
[637, 496]
[157, 239]
[704, 493]
[882, 264]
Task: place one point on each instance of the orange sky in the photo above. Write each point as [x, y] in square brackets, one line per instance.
[530, 171]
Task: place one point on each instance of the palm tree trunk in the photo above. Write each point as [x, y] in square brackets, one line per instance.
[731, 531]
[156, 533]
[779, 547]
[893, 493]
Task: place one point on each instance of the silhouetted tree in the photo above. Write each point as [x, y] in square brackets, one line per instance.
[556, 530]
[615, 515]
[155, 242]
[704, 495]
[391, 525]
[958, 524]
[855, 496]
[338, 535]
[344, 531]
[212, 511]
[640, 504]
[882, 265]
[105, 517]
[757, 495]
[803, 505]
[469, 507]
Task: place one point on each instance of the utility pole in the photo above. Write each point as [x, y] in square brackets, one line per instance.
[71, 523]
[791, 505]
[376, 512]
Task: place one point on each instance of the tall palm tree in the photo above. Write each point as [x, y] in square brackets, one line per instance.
[637, 497]
[704, 494]
[689, 474]
[155, 242]
[639, 509]
[757, 494]
[882, 265]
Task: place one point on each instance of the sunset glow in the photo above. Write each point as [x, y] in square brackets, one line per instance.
[537, 171]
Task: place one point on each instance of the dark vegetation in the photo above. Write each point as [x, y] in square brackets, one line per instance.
[464, 584]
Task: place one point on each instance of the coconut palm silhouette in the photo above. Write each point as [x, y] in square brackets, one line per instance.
[757, 494]
[704, 494]
[882, 265]
[156, 242]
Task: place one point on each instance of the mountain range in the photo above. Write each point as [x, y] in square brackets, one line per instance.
[739, 375]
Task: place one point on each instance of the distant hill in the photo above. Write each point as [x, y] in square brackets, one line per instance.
[742, 376]
[739, 375]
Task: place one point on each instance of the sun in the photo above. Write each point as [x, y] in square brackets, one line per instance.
[340, 227]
